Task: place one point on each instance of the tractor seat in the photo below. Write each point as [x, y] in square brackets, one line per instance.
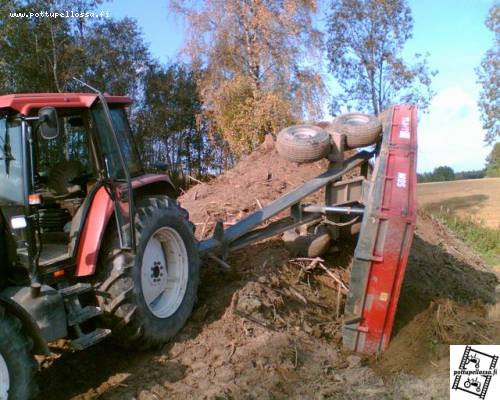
[61, 179]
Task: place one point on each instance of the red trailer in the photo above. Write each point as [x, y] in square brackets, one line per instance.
[384, 194]
[385, 237]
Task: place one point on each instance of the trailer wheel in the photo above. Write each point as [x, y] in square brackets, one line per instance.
[360, 129]
[17, 365]
[303, 143]
[151, 295]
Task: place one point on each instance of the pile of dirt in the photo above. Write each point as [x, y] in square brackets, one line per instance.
[255, 181]
[270, 328]
[441, 266]
[449, 296]
[421, 347]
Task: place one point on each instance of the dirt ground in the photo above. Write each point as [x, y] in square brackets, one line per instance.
[270, 327]
[478, 199]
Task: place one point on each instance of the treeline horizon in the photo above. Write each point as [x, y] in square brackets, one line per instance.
[446, 173]
[247, 68]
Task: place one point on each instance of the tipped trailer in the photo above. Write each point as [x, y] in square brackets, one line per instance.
[383, 195]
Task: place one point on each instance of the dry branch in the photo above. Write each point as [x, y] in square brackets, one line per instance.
[194, 179]
[344, 287]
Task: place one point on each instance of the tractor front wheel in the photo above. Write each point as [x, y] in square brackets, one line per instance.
[17, 365]
[150, 295]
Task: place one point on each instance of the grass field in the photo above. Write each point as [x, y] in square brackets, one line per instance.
[478, 199]
[470, 208]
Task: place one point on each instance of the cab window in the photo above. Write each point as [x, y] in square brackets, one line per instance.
[71, 145]
[108, 147]
[126, 140]
[11, 162]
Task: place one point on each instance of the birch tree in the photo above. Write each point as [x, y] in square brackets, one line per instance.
[489, 80]
[257, 62]
[365, 43]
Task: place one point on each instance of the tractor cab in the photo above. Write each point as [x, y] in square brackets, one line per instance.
[56, 151]
[90, 245]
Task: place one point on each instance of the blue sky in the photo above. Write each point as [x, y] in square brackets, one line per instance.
[452, 31]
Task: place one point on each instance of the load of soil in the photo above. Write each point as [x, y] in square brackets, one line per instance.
[270, 328]
[255, 181]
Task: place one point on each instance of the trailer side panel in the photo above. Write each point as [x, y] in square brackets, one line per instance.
[385, 239]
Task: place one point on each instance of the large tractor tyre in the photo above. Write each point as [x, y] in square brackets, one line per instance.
[17, 365]
[360, 129]
[303, 143]
[149, 297]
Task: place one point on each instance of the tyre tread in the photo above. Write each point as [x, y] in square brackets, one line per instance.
[357, 135]
[121, 312]
[302, 150]
[12, 335]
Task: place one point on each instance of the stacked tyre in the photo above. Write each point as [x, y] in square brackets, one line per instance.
[303, 143]
[309, 143]
[359, 129]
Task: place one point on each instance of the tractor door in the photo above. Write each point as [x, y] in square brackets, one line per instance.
[120, 161]
[13, 193]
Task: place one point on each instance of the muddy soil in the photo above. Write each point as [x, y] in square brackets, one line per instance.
[270, 327]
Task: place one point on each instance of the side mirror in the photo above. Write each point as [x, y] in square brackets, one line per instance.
[49, 123]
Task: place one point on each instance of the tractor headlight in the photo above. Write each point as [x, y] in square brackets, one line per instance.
[18, 222]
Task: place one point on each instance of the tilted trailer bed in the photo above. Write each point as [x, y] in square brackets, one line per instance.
[384, 196]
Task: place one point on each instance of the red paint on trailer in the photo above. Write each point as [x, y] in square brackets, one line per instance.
[395, 218]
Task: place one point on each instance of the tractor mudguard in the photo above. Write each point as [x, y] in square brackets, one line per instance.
[46, 308]
[152, 184]
[101, 211]
[29, 324]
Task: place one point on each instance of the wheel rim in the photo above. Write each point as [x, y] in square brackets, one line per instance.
[164, 272]
[357, 120]
[305, 133]
[4, 378]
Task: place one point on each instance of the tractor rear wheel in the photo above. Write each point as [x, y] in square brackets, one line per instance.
[150, 295]
[17, 365]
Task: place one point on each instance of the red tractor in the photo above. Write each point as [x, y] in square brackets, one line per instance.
[90, 245]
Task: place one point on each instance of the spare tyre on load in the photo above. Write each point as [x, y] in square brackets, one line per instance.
[360, 129]
[303, 143]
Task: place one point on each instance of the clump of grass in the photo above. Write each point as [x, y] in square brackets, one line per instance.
[484, 240]
[454, 323]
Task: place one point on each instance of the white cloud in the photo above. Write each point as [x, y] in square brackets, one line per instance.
[451, 133]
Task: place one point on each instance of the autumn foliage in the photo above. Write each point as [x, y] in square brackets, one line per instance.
[257, 63]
